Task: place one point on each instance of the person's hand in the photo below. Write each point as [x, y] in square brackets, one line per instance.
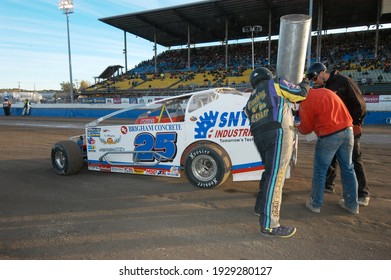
[357, 130]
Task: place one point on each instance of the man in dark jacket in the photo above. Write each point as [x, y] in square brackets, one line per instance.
[351, 95]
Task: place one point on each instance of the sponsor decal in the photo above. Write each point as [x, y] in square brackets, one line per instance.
[124, 129]
[117, 169]
[133, 100]
[155, 127]
[277, 191]
[371, 98]
[93, 100]
[230, 133]
[100, 100]
[93, 132]
[105, 168]
[174, 171]
[93, 167]
[237, 140]
[199, 152]
[384, 98]
[129, 170]
[91, 148]
[109, 138]
[148, 120]
[214, 124]
[151, 171]
[207, 185]
[116, 149]
[91, 140]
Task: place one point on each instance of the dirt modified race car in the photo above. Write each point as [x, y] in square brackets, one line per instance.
[205, 133]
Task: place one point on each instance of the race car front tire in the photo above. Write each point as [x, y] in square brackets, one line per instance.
[67, 157]
[207, 166]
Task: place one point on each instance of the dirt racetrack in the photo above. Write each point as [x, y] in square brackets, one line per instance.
[95, 215]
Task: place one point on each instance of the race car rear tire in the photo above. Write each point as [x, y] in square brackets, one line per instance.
[207, 166]
[67, 157]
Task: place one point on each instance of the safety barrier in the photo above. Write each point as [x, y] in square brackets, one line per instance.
[97, 111]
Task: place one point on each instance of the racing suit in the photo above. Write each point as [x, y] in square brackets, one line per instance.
[271, 120]
[352, 97]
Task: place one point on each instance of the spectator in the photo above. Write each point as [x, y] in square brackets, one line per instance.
[26, 107]
[7, 106]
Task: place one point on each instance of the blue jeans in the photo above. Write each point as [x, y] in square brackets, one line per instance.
[341, 145]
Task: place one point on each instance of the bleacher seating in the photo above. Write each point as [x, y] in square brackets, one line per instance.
[352, 54]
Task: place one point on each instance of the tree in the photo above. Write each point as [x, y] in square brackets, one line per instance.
[65, 87]
[84, 85]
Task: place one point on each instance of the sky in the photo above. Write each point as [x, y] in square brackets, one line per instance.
[34, 41]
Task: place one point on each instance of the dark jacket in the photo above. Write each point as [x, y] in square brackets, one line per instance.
[350, 94]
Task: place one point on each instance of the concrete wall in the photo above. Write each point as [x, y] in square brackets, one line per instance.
[379, 110]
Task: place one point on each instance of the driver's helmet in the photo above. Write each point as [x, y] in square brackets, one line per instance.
[260, 74]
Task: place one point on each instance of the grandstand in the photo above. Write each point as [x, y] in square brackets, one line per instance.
[358, 55]
[352, 55]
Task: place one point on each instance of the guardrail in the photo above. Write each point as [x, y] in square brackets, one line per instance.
[378, 110]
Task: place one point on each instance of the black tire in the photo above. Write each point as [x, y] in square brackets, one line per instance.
[207, 166]
[67, 157]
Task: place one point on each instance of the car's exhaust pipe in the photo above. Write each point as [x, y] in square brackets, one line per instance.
[292, 47]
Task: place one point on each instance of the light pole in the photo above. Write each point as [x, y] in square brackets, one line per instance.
[252, 29]
[67, 7]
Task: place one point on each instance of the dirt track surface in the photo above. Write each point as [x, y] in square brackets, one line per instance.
[95, 215]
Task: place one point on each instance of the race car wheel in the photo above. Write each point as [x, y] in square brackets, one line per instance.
[67, 157]
[207, 166]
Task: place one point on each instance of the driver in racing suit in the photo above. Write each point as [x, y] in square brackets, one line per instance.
[271, 120]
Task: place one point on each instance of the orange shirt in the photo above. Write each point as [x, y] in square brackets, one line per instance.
[323, 112]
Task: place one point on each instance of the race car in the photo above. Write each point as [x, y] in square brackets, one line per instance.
[204, 133]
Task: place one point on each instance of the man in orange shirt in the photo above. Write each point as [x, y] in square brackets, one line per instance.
[325, 113]
[354, 101]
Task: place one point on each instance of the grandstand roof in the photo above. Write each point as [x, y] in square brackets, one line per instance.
[206, 20]
[109, 71]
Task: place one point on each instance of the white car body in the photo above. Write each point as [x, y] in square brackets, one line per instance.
[208, 125]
